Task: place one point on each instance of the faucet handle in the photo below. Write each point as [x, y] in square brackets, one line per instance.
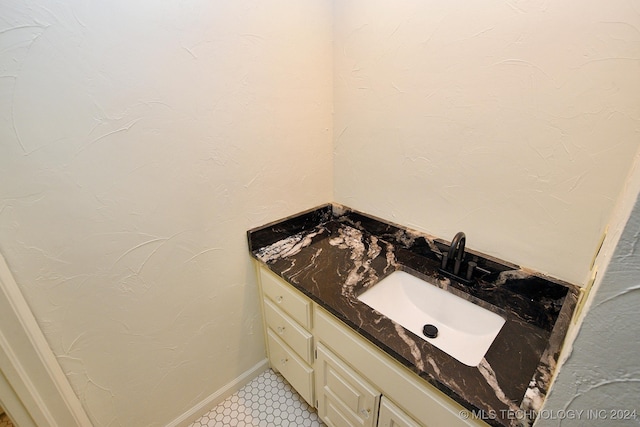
[445, 260]
[471, 266]
[456, 266]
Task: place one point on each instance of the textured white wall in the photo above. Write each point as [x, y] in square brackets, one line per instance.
[138, 143]
[515, 122]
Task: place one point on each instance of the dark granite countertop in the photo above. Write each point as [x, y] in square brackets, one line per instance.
[332, 254]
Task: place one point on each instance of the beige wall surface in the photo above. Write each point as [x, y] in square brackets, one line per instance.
[139, 141]
[515, 122]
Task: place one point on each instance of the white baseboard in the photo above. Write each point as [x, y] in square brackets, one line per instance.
[212, 400]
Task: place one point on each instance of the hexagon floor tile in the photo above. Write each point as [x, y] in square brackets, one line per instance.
[267, 401]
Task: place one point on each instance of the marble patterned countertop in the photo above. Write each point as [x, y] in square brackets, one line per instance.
[333, 253]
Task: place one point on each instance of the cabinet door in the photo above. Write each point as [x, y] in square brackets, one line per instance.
[392, 416]
[345, 399]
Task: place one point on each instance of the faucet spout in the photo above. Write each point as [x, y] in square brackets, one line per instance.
[456, 251]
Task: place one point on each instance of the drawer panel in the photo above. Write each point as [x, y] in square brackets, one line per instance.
[286, 298]
[289, 331]
[285, 361]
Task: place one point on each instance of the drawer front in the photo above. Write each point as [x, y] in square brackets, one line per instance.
[286, 298]
[285, 361]
[289, 331]
[344, 397]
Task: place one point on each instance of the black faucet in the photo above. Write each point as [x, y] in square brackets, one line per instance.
[454, 260]
[455, 255]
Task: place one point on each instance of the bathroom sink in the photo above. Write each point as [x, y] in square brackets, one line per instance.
[461, 328]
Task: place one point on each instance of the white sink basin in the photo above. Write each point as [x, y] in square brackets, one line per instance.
[465, 330]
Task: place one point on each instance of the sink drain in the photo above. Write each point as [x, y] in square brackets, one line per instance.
[430, 331]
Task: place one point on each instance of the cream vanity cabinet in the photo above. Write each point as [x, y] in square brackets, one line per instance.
[349, 380]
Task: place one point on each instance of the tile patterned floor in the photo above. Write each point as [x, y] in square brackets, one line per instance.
[267, 401]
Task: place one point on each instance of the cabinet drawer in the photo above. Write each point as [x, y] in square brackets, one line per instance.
[289, 331]
[286, 298]
[285, 361]
[344, 397]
